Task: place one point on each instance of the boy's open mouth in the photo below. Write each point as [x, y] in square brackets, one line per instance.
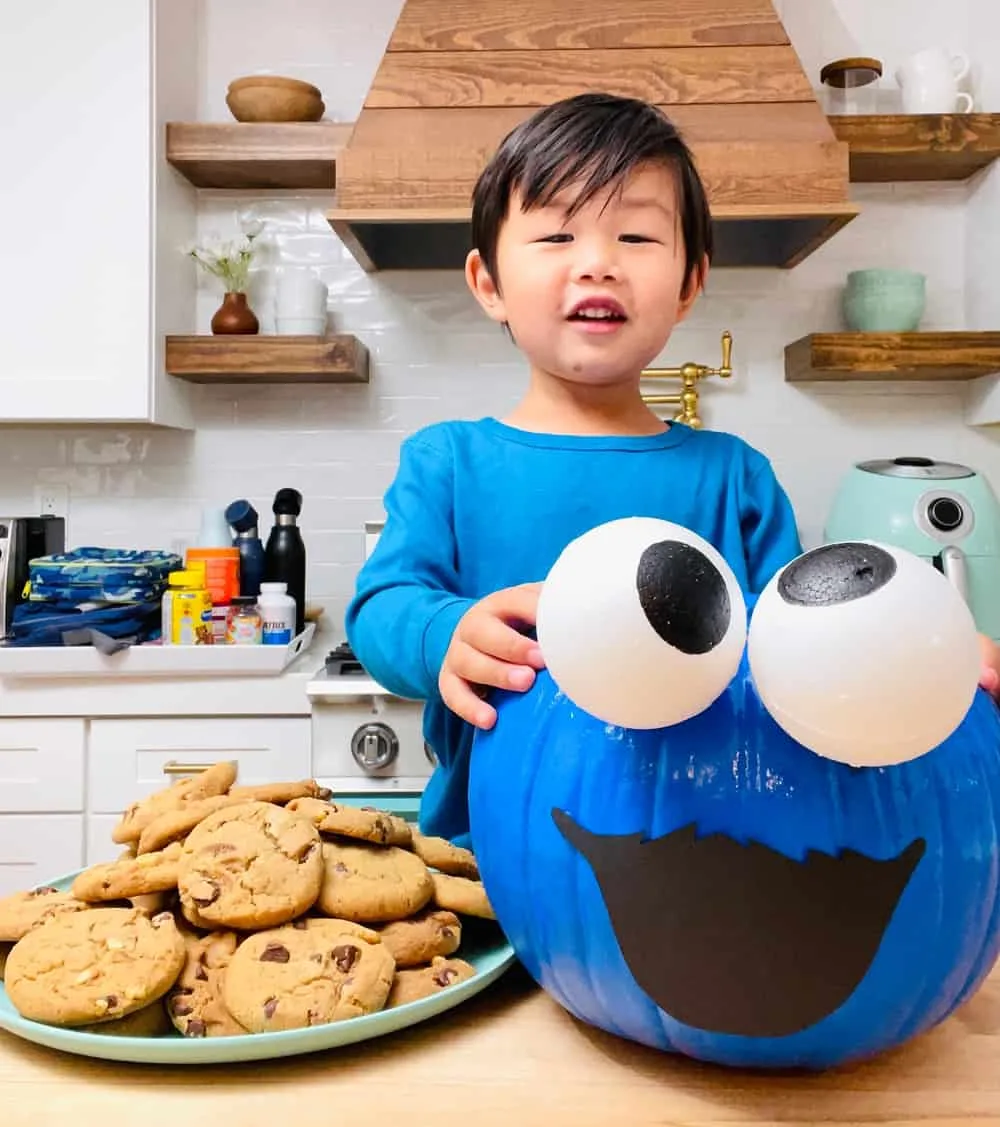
[598, 312]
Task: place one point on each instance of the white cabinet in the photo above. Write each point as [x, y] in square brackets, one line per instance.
[41, 765]
[126, 757]
[64, 782]
[41, 775]
[93, 216]
[35, 848]
[97, 845]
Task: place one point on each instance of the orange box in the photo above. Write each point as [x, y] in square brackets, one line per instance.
[222, 572]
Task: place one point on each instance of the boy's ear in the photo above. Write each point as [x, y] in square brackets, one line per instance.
[483, 287]
[696, 283]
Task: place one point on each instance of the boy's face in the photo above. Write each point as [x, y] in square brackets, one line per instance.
[593, 298]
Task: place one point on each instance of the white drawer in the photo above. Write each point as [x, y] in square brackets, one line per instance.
[38, 848]
[126, 758]
[98, 845]
[41, 764]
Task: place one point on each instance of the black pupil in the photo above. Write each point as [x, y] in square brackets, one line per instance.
[683, 596]
[836, 573]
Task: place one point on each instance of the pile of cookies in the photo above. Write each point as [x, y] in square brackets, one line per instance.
[243, 909]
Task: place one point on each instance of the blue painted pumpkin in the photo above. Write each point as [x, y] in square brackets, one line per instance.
[716, 889]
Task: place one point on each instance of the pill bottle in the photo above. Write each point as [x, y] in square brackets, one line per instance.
[277, 612]
[192, 578]
[191, 612]
[243, 622]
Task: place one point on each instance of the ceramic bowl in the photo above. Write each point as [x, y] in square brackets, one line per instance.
[884, 301]
[269, 97]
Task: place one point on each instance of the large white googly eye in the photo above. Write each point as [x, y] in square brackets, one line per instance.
[641, 623]
[864, 653]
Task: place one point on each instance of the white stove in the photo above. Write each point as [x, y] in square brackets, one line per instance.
[366, 741]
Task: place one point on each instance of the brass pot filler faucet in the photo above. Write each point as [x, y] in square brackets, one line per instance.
[689, 374]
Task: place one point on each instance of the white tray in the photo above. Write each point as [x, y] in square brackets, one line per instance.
[153, 660]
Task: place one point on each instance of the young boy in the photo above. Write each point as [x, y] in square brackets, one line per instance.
[592, 241]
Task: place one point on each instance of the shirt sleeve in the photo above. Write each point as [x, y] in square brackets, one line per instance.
[770, 534]
[406, 603]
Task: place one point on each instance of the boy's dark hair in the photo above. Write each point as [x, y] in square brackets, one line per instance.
[597, 139]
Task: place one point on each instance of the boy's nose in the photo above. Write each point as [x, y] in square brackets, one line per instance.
[597, 262]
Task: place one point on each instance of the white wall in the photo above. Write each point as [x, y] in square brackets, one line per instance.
[434, 355]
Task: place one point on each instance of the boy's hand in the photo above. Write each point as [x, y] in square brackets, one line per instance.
[487, 651]
[989, 678]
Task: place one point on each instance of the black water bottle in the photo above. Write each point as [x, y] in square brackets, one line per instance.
[285, 554]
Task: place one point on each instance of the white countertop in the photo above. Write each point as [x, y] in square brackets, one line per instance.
[329, 687]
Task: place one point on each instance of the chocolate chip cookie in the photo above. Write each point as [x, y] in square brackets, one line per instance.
[150, 1021]
[22, 911]
[311, 972]
[216, 779]
[93, 966]
[439, 853]
[422, 937]
[130, 876]
[195, 1004]
[280, 793]
[422, 982]
[459, 894]
[173, 825]
[364, 824]
[250, 866]
[372, 883]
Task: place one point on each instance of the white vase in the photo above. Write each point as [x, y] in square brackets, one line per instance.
[300, 302]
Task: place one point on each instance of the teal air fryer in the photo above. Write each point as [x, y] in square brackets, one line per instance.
[942, 511]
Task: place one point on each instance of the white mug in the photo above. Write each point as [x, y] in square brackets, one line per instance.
[929, 82]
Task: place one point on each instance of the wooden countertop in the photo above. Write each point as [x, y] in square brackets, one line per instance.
[512, 1058]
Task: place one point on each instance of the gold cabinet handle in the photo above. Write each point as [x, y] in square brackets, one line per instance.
[172, 767]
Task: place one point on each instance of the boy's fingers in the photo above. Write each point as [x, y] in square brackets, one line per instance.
[518, 604]
[463, 701]
[494, 637]
[478, 668]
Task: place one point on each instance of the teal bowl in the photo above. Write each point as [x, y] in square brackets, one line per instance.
[884, 301]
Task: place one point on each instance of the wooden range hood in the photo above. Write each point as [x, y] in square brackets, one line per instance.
[457, 75]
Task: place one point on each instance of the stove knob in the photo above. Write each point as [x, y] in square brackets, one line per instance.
[374, 746]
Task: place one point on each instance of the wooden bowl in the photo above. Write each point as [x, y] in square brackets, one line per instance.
[268, 97]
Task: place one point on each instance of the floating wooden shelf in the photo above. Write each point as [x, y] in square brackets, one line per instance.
[267, 359]
[236, 154]
[892, 356]
[898, 147]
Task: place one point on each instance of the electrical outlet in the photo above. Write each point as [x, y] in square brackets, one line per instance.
[52, 500]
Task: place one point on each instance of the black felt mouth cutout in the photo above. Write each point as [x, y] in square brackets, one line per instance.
[740, 939]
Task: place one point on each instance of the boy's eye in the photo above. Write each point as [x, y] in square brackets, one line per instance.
[635, 239]
[561, 237]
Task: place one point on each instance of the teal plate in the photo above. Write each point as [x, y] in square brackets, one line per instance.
[483, 946]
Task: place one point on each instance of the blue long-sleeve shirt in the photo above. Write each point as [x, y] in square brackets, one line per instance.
[478, 506]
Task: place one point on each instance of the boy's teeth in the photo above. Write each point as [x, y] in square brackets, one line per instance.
[596, 314]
